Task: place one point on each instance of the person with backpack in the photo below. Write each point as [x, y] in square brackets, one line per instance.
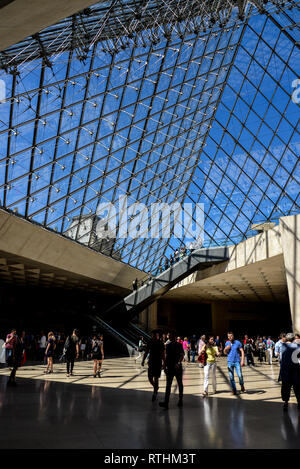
[261, 349]
[71, 351]
[172, 365]
[141, 347]
[97, 354]
[156, 351]
[249, 349]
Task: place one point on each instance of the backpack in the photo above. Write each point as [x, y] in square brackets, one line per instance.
[69, 346]
[95, 348]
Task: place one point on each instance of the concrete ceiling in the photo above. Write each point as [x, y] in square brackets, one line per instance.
[22, 18]
[21, 271]
[263, 281]
[30, 253]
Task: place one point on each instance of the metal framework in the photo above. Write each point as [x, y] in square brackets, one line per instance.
[163, 101]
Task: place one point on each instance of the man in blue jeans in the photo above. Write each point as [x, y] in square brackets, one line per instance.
[235, 357]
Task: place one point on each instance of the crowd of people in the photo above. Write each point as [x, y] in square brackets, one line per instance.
[177, 256]
[165, 352]
[17, 349]
[168, 352]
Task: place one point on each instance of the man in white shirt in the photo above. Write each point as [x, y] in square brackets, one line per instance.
[42, 345]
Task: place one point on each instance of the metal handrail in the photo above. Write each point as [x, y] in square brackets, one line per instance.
[113, 331]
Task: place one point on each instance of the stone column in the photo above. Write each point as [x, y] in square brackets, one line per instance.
[152, 316]
[290, 241]
[219, 313]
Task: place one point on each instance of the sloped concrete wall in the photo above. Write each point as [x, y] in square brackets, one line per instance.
[290, 241]
[22, 238]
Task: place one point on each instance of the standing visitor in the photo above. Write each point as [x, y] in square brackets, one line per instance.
[176, 255]
[15, 360]
[270, 345]
[219, 344]
[50, 352]
[97, 355]
[42, 343]
[186, 348]
[9, 346]
[261, 348]
[173, 367]
[212, 352]
[235, 360]
[135, 285]
[290, 370]
[201, 343]
[71, 351]
[82, 346]
[278, 346]
[193, 350]
[249, 349]
[297, 338]
[156, 350]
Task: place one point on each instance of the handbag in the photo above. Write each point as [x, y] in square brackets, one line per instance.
[202, 358]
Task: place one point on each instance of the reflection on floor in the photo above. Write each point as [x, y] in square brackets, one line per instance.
[115, 411]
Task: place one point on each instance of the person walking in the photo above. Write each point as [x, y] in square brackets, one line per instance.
[249, 349]
[290, 370]
[173, 368]
[51, 346]
[235, 360]
[97, 355]
[141, 347]
[71, 351]
[270, 345]
[212, 352]
[156, 351]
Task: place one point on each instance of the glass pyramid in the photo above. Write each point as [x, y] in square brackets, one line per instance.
[160, 101]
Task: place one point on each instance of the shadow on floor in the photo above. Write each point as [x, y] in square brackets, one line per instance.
[43, 414]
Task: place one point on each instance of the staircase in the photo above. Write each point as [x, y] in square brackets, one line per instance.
[117, 319]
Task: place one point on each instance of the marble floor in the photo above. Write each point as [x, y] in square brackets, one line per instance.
[116, 412]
